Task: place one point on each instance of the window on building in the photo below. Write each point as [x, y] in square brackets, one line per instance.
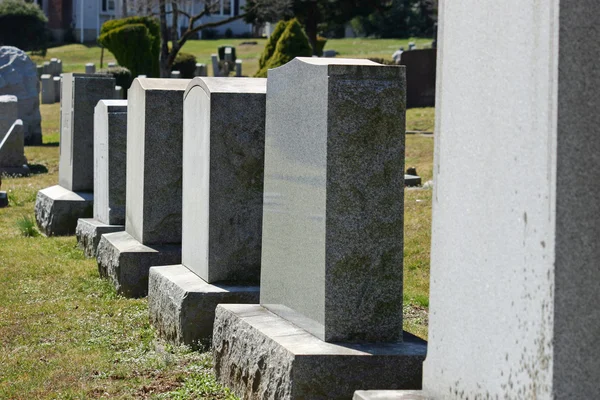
[108, 5]
[226, 7]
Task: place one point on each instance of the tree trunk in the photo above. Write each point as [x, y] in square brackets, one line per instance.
[165, 71]
[311, 26]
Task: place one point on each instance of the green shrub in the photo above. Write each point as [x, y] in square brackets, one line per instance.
[271, 44]
[186, 64]
[27, 226]
[292, 43]
[321, 41]
[135, 43]
[23, 25]
[121, 74]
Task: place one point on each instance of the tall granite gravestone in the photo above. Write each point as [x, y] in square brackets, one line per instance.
[58, 208]
[12, 157]
[330, 319]
[47, 86]
[56, 81]
[420, 77]
[152, 233]
[110, 161]
[223, 164]
[515, 263]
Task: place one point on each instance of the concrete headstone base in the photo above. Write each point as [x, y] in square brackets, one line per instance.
[258, 354]
[389, 395]
[15, 171]
[182, 305]
[126, 262]
[88, 234]
[58, 209]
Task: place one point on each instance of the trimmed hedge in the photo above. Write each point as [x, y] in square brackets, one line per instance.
[186, 64]
[271, 44]
[121, 74]
[23, 25]
[292, 43]
[135, 43]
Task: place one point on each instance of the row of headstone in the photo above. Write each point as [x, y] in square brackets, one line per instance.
[53, 68]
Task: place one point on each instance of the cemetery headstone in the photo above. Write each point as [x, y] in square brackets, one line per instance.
[110, 161]
[20, 78]
[215, 65]
[48, 95]
[223, 163]
[330, 315]
[420, 77]
[9, 113]
[56, 81]
[58, 208]
[90, 68]
[152, 233]
[238, 68]
[12, 156]
[175, 74]
[54, 67]
[112, 64]
[118, 92]
[47, 70]
[200, 70]
[514, 262]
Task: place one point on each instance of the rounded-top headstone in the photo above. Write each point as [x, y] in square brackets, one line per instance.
[19, 77]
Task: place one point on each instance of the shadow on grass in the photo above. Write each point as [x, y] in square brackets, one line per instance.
[36, 169]
[49, 144]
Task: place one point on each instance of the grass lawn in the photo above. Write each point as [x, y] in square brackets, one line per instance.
[65, 333]
[75, 56]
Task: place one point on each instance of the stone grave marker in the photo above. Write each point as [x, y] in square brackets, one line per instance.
[223, 163]
[152, 233]
[330, 315]
[90, 68]
[56, 81]
[238, 67]
[110, 161]
[175, 74]
[59, 207]
[48, 95]
[12, 152]
[9, 113]
[200, 70]
[514, 296]
[214, 58]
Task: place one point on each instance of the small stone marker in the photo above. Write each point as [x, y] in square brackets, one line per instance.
[59, 207]
[12, 157]
[112, 64]
[152, 233]
[330, 319]
[9, 113]
[238, 68]
[118, 92]
[223, 164]
[90, 68]
[200, 70]
[40, 71]
[48, 95]
[228, 55]
[56, 81]
[175, 74]
[110, 161]
[214, 58]
[54, 69]
[46, 68]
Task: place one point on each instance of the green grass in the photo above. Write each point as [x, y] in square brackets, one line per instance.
[65, 333]
[75, 56]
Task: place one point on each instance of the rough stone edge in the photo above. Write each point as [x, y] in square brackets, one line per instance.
[254, 365]
[88, 233]
[185, 315]
[56, 217]
[390, 395]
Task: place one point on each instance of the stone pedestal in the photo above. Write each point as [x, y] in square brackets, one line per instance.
[259, 354]
[182, 305]
[58, 209]
[126, 262]
[89, 231]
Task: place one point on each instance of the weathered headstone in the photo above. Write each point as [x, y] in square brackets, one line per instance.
[40, 71]
[12, 157]
[47, 70]
[112, 64]
[200, 70]
[48, 95]
[18, 77]
[223, 162]
[215, 64]
[152, 233]
[514, 296]
[118, 92]
[9, 113]
[110, 161]
[90, 68]
[420, 77]
[54, 67]
[330, 319]
[56, 81]
[228, 55]
[175, 74]
[238, 68]
[59, 207]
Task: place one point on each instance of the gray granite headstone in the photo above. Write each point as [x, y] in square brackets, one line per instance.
[110, 160]
[223, 161]
[214, 58]
[48, 95]
[200, 70]
[12, 158]
[238, 67]
[155, 135]
[56, 81]
[90, 68]
[9, 112]
[80, 94]
[175, 74]
[333, 214]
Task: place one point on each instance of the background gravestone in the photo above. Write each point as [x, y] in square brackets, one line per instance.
[152, 233]
[12, 157]
[59, 207]
[18, 77]
[330, 319]
[9, 113]
[110, 162]
[223, 164]
[420, 77]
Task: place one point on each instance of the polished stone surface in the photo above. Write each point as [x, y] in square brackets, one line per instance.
[58, 209]
[182, 305]
[223, 164]
[333, 199]
[110, 161]
[258, 354]
[154, 160]
[80, 94]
